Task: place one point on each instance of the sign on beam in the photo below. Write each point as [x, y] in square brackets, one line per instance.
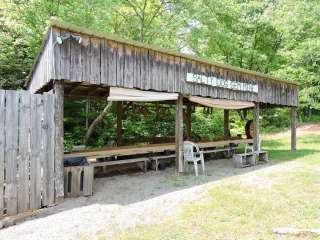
[222, 83]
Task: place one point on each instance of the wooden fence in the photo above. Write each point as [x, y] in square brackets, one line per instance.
[27, 149]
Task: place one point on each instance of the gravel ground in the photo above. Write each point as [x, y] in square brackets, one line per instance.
[126, 201]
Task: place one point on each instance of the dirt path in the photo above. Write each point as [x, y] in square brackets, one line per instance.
[305, 128]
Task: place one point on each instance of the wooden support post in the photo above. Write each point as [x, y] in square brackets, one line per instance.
[256, 131]
[119, 122]
[189, 121]
[226, 123]
[58, 89]
[293, 129]
[179, 135]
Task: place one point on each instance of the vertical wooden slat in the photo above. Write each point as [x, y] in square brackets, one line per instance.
[11, 149]
[56, 74]
[179, 135]
[129, 66]
[65, 58]
[2, 148]
[36, 151]
[293, 129]
[24, 157]
[256, 126]
[152, 71]
[85, 55]
[95, 66]
[137, 65]
[144, 84]
[120, 65]
[75, 62]
[87, 184]
[59, 147]
[105, 63]
[48, 143]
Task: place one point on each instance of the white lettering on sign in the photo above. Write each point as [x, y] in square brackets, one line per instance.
[223, 83]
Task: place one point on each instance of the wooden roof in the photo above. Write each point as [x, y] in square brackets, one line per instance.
[106, 36]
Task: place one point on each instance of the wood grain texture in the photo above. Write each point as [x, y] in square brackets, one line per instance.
[293, 129]
[59, 131]
[256, 126]
[179, 135]
[36, 151]
[24, 154]
[114, 63]
[2, 148]
[48, 140]
[11, 151]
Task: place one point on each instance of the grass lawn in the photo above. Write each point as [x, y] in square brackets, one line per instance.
[285, 194]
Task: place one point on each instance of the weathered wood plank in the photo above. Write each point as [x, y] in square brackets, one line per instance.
[105, 68]
[120, 65]
[56, 55]
[137, 65]
[293, 129]
[76, 65]
[59, 146]
[2, 148]
[24, 155]
[85, 58]
[129, 56]
[256, 126]
[95, 57]
[36, 151]
[88, 181]
[49, 144]
[179, 135]
[65, 58]
[144, 84]
[11, 150]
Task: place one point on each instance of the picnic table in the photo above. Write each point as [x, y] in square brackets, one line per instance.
[150, 152]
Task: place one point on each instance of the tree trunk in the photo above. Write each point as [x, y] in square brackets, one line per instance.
[96, 121]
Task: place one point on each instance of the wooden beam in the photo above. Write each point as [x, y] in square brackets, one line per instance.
[256, 127]
[119, 122]
[72, 88]
[226, 123]
[293, 129]
[189, 120]
[58, 88]
[179, 135]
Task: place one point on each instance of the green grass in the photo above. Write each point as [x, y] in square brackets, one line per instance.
[234, 210]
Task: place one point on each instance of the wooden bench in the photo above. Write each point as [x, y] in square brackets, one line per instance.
[119, 162]
[160, 158]
[244, 160]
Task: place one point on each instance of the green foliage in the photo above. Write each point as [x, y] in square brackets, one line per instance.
[206, 126]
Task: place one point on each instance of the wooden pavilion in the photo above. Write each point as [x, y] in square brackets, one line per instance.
[74, 61]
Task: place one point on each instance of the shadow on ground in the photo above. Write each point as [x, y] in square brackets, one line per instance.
[138, 187]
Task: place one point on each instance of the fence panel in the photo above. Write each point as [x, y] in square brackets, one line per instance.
[27, 150]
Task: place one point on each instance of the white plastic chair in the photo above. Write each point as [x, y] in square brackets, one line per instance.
[192, 153]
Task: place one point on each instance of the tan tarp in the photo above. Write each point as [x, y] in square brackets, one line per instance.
[221, 103]
[125, 94]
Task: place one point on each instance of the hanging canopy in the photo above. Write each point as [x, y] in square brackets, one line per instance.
[221, 103]
[125, 94]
